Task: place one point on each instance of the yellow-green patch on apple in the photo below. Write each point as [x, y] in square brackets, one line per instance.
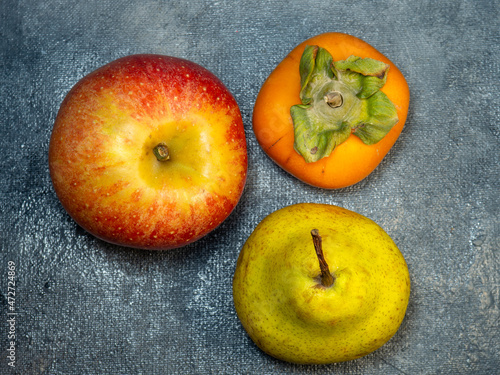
[317, 284]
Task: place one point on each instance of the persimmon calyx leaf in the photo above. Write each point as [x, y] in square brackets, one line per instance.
[339, 98]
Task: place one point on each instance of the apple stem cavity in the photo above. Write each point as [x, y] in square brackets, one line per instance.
[327, 278]
[161, 152]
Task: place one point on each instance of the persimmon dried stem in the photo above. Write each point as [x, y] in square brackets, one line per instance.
[334, 99]
[327, 278]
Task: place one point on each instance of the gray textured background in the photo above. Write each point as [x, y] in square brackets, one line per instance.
[87, 307]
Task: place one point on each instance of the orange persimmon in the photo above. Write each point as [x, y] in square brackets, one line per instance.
[349, 103]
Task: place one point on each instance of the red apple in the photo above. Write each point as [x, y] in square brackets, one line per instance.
[114, 129]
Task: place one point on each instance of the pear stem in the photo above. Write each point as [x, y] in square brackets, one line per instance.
[327, 278]
[161, 152]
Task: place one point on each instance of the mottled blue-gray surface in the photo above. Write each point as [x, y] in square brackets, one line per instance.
[87, 307]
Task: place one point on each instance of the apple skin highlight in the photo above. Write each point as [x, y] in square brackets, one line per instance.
[101, 158]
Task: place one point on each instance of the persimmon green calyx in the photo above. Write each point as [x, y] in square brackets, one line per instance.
[339, 98]
[161, 152]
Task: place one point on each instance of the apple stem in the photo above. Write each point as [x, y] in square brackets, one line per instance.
[327, 278]
[161, 152]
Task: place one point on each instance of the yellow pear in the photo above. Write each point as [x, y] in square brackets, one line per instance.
[317, 284]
